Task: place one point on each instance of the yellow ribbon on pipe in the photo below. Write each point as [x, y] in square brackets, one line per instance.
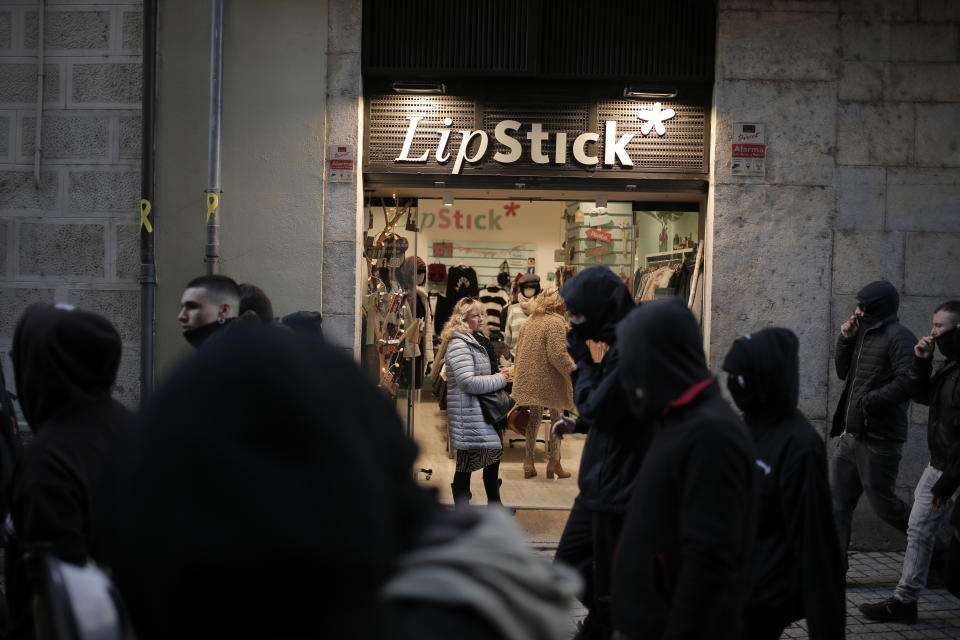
[144, 215]
[213, 201]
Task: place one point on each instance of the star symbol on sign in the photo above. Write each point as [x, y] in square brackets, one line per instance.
[511, 209]
[655, 118]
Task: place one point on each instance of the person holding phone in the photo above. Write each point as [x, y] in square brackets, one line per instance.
[874, 356]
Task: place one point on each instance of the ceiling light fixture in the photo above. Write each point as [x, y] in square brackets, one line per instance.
[420, 88]
[648, 92]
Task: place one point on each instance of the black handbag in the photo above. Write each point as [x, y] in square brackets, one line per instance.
[495, 405]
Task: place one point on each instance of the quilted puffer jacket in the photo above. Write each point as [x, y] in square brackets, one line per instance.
[875, 365]
[468, 375]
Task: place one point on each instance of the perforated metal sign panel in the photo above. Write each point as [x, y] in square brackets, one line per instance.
[680, 147]
[439, 121]
[388, 124]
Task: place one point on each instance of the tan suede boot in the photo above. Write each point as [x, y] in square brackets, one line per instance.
[528, 469]
[553, 467]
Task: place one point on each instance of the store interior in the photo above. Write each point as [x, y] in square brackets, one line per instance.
[414, 245]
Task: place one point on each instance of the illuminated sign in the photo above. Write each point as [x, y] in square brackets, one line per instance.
[614, 147]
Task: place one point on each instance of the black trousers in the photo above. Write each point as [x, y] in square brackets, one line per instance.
[588, 542]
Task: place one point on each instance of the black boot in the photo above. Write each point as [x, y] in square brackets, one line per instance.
[492, 487]
[461, 489]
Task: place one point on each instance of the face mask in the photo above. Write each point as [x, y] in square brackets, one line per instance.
[743, 396]
[947, 343]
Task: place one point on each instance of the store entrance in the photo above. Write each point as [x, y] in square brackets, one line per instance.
[423, 254]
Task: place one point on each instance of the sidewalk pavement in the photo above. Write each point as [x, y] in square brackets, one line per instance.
[871, 578]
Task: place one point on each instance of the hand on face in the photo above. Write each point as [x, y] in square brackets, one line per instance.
[924, 347]
[851, 327]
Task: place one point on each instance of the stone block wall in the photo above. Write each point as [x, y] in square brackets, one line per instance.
[74, 238]
[862, 104]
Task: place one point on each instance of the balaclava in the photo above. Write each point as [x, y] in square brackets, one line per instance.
[764, 373]
[880, 300]
[598, 294]
[949, 343]
[661, 356]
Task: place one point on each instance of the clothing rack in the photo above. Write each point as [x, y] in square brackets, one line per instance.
[667, 256]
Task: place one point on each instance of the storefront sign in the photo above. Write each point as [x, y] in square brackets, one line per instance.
[599, 236]
[614, 146]
[455, 219]
[749, 150]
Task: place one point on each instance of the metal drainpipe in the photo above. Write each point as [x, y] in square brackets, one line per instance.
[40, 76]
[212, 200]
[148, 220]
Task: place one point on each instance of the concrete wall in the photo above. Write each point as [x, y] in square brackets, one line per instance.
[74, 238]
[291, 84]
[861, 101]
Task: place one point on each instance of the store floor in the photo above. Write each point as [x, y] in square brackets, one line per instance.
[538, 493]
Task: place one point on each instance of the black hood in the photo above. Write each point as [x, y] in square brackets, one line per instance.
[661, 356]
[265, 470]
[64, 358]
[309, 322]
[880, 300]
[765, 373]
[598, 294]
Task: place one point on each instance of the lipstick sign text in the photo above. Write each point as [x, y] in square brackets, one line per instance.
[614, 147]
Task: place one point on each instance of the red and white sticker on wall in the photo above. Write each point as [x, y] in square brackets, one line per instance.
[749, 151]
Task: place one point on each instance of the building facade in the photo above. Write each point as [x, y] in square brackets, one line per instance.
[859, 102]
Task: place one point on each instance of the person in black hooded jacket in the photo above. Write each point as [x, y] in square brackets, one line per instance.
[265, 492]
[597, 300]
[682, 559]
[874, 355]
[796, 570]
[65, 363]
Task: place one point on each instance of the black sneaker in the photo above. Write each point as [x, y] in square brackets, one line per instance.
[891, 610]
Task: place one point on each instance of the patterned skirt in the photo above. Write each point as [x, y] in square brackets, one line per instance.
[469, 460]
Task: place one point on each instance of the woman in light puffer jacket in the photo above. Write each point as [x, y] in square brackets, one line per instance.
[471, 370]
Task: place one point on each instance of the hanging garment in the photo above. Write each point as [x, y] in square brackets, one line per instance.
[494, 299]
[461, 283]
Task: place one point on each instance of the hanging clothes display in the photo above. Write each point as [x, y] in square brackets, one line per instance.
[461, 283]
[494, 299]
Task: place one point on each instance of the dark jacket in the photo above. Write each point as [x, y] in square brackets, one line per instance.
[875, 365]
[266, 458]
[615, 442]
[941, 392]
[65, 363]
[680, 568]
[795, 567]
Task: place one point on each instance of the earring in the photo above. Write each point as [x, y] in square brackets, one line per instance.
[220, 320]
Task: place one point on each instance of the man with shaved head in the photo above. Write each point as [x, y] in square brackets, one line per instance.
[207, 305]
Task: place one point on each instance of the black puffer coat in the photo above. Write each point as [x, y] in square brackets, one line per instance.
[615, 443]
[875, 365]
[680, 569]
[795, 567]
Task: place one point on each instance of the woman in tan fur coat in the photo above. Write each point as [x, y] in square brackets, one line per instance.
[542, 376]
